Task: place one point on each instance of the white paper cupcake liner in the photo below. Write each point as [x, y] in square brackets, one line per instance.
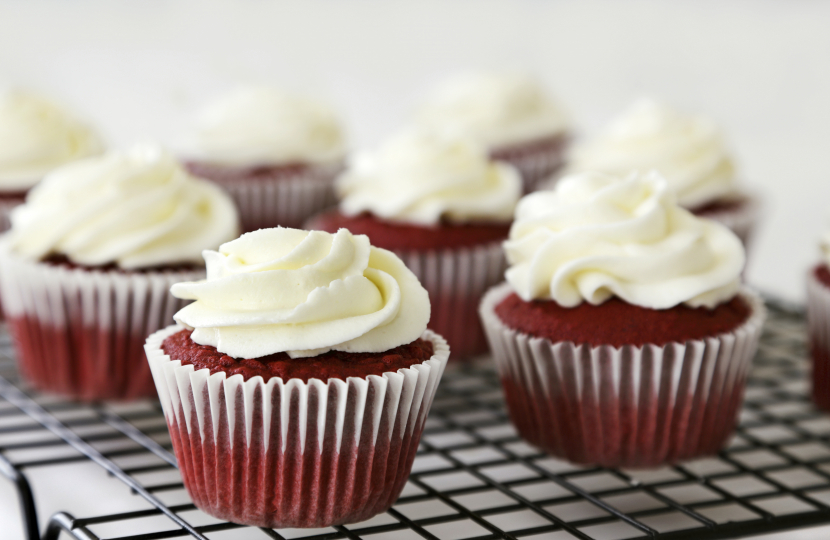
[290, 453]
[629, 406]
[818, 331]
[80, 333]
[534, 165]
[742, 220]
[284, 201]
[6, 207]
[456, 279]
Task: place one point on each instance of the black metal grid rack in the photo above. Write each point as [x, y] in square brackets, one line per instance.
[473, 477]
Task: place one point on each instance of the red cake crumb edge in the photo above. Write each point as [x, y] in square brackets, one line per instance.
[618, 323]
[329, 365]
[395, 236]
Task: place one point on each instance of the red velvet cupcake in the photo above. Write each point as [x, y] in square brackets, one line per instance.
[623, 337]
[444, 208]
[87, 266]
[818, 326]
[687, 150]
[275, 153]
[305, 409]
[510, 115]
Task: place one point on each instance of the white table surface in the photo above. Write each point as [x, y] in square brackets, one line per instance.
[140, 70]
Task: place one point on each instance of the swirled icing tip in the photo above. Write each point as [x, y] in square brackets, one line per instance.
[36, 136]
[303, 293]
[597, 235]
[423, 177]
[497, 109]
[136, 208]
[688, 149]
[261, 125]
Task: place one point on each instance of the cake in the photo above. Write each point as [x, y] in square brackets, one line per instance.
[818, 326]
[297, 383]
[511, 115]
[444, 208]
[87, 265]
[276, 153]
[688, 150]
[622, 335]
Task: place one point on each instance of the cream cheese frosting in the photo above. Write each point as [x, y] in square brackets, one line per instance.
[688, 150]
[37, 136]
[137, 209]
[597, 235]
[424, 178]
[495, 109]
[266, 126]
[303, 293]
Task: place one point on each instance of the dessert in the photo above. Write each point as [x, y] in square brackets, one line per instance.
[86, 268]
[297, 384]
[510, 115]
[818, 325]
[275, 153]
[443, 207]
[623, 335]
[36, 136]
[687, 150]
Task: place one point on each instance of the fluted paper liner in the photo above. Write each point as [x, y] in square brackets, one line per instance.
[818, 330]
[456, 279]
[289, 453]
[741, 220]
[79, 332]
[535, 165]
[285, 201]
[629, 406]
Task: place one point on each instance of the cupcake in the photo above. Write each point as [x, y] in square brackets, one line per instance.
[36, 136]
[86, 268]
[622, 335]
[297, 384]
[689, 152]
[275, 153]
[510, 115]
[444, 208]
[818, 324]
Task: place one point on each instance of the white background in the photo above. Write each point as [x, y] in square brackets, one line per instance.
[141, 69]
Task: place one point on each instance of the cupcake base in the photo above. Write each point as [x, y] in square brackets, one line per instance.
[623, 406]
[79, 332]
[818, 328]
[290, 453]
[535, 160]
[274, 196]
[739, 215]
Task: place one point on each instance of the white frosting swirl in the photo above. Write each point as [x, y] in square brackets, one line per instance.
[423, 178]
[137, 209]
[596, 236]
[689, 151]
[265, 126]
[495, 109]
[303, 293]
[35, 137]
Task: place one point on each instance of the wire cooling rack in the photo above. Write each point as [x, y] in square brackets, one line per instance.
[473, 477]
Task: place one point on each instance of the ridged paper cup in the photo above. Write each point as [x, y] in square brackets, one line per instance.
[456, 279]
[289, 453]
[285, 199]
[818, 329]
[742, 220]
[535, 162]
[80, 333]
[629, 406]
